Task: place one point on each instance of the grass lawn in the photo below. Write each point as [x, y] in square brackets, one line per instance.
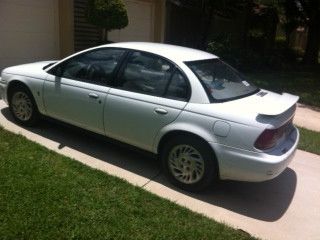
[302, 83]
[44, 195]
[309, 141]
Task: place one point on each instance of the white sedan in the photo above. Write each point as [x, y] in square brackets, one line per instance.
[203, 119]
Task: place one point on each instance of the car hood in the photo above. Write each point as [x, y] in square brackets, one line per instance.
[260, 108]
[30, 69]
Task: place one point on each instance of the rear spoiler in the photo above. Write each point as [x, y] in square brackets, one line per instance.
[280, 105]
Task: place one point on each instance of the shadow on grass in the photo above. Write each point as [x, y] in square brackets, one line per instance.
[266, 201]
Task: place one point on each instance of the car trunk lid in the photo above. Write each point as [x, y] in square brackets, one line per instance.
[272, 104]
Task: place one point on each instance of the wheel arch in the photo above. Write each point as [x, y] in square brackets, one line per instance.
[187, 134]
[174, 133]
[33, 87]
[183, 128]
[14, 84]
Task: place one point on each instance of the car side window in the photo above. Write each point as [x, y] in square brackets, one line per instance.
[96, 66]
[178, 87]
[146, 73]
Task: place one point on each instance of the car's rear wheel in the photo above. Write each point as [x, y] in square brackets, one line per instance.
[189, 163]
[23, 107]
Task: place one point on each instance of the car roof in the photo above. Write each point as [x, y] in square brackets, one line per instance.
[171, 52]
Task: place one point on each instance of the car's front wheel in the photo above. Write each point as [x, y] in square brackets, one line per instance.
[23, 107]
[189, 163]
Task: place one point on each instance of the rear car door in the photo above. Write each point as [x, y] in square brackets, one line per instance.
[75, 90]
[149, 93]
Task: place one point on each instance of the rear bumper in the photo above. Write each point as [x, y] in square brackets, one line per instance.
[242, 165]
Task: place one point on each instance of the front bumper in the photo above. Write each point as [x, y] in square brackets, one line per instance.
[3, 87]
[242, 165]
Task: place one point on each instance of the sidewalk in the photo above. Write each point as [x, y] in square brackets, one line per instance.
[284, 208]
[307, 117]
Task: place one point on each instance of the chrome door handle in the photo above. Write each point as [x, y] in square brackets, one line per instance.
[160, 111]
[93, 95]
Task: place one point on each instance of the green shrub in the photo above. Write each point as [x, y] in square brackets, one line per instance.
[250, 59]
[107, 14]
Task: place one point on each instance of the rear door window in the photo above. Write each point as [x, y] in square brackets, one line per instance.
[146, 73]
[178, 88]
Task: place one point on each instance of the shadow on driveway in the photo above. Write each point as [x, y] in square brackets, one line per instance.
[266, 201]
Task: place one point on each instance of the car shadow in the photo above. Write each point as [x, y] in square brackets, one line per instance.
[266, 201]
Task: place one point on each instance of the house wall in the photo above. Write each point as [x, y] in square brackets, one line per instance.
[146, 23]
[160, 20]
[35, 30]
[66, 27]
[29, 31]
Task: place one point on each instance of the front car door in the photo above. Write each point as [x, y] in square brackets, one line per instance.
[150, 93]
[75, 90]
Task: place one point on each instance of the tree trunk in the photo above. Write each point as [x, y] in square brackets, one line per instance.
[104, 37]
[247, 14]
[313, 42]
[206, 25]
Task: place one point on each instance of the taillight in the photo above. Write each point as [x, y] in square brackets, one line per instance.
[269, 137]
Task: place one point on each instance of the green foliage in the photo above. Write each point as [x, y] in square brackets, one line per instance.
[220, 45]
[250, 58]
[300, 81]
[107, 14]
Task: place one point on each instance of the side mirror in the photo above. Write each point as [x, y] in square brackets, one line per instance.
[57, 71]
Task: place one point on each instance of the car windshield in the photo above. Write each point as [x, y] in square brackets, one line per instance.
[221, 81]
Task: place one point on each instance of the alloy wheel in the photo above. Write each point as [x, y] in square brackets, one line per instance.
[22, 106]
[186, 164]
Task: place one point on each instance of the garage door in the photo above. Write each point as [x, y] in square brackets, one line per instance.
[141, 22]
[29, 31]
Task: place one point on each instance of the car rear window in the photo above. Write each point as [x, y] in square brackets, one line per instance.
[221, 81]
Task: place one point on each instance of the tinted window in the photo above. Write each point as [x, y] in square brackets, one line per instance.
[146, 73]
[222, 81]
[95, 66]
[178, 88]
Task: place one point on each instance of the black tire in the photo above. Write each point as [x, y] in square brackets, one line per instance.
[28, 97]
[209, 174]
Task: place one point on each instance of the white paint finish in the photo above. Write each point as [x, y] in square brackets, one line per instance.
[132, 118]
[29, 31]
[70, 101]
[141, 22]
[286, 208]
[221, 128]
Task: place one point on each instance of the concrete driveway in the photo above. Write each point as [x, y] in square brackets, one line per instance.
[287, 207]
[307, 117]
